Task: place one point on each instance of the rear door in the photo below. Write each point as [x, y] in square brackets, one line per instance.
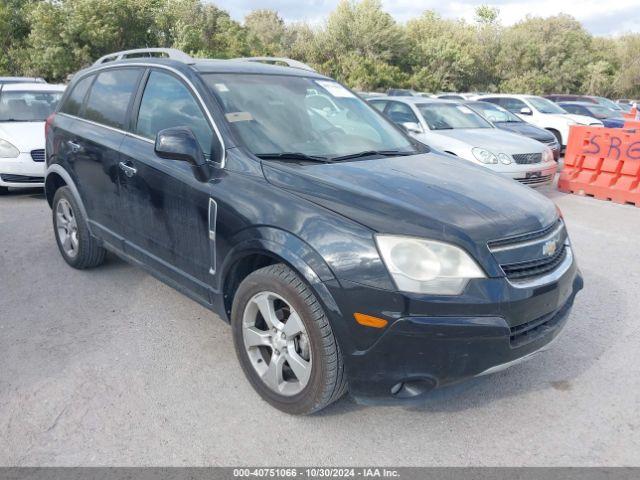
[167, 212]
[93, 143]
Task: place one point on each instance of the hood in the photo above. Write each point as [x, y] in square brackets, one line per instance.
[493, 139]
[580, 119]
[613, 122]
[429, 195]
[528, 130]
[26, 136]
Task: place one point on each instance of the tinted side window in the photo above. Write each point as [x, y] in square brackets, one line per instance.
[73, 103]
[513, 104]
[378, 104]
[401, 113]
[110, 95]
[167, 103]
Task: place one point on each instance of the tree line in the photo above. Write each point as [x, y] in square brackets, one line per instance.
[359, 44]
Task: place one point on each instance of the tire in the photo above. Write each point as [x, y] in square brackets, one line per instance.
[558, 137]
[281, 288]
[76, 244]
[4, 190]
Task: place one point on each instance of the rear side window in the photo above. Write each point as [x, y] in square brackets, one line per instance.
[379, 104]
[401, 113]
[167, 103]
[110, 96]
[513, 104]
[73, 103]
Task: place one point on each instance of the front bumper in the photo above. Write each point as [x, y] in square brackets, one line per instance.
[21, 172]
[431, 342]
[535, 175]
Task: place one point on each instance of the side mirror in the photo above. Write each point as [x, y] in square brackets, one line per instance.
[412, 127]
[179, 143]
[526, 111]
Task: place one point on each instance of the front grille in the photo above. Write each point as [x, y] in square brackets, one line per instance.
[535, 180]
[20, 178]
[525, 237]
[530, 331]
[37, 155]
[527, 158]
[534, 268]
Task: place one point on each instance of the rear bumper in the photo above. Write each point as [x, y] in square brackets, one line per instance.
[21, 172]
[419, 352]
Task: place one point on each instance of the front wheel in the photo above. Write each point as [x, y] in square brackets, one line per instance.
[284, 342]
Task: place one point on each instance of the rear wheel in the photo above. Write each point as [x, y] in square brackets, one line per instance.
[284, 342]
[76, 244]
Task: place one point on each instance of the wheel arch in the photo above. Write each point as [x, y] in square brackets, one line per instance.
[55, 177]
[270, 247]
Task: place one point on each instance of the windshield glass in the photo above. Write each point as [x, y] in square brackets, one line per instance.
[494, 113]
[448, 116]
[274, 114]
[608, 103]
[545, 106]
[27, 106]
[600, 111]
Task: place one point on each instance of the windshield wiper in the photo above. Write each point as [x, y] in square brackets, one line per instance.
[369, 153]
[292, 156]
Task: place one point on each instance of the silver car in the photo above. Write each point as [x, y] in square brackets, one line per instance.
[456, 129]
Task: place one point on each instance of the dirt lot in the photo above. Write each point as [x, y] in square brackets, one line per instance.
[111, 367]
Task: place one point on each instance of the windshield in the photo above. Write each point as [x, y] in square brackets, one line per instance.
[449, 116]
[27, 106]
[494, 113]
[275, 114]
[600, 111]
[608, 103]
[545, 106]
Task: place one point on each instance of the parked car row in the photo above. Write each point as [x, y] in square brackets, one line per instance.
[347, 255]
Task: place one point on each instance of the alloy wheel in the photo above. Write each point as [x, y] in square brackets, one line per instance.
[277, 343]
[67, 228]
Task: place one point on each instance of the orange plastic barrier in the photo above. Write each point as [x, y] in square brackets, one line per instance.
[632, 124]
[632, 114]
[604, 163]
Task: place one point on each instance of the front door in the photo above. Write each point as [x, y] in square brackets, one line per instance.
[169, 215]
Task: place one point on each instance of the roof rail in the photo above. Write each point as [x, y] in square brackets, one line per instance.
[275, 60]
[171, 53]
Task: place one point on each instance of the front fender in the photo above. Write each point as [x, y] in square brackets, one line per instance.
[286, 247]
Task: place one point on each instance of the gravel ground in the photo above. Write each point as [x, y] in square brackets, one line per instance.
[112, 367]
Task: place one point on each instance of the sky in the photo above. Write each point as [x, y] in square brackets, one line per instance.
[599, 17]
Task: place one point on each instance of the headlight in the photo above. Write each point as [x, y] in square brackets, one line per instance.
[547, 155]
[571, 122]
[504, 158]
[484, 156]
[7, 150]
[426, 266]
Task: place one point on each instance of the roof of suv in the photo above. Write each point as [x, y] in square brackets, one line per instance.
[215, 66]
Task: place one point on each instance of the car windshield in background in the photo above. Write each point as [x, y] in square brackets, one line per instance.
[494, 113]
[545, 106]
[600, 111]
[317, 118]
[27, 106]
[449, 116]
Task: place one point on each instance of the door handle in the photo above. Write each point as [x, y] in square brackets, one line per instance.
[128, 171]
[75, 147]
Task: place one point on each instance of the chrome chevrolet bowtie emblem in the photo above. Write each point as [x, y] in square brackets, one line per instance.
[549, 247]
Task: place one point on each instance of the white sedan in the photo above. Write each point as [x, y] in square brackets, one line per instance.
[24, 107]
[456, 129]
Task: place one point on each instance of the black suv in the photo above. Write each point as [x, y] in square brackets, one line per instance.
[346, 256]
